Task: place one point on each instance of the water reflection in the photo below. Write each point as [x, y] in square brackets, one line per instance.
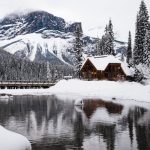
[52, 124]
[91, 106]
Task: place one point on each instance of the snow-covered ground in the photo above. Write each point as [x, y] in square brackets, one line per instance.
[79, 89]
[13, 141]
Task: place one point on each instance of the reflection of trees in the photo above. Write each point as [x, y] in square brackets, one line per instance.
[22, 106]
[108, 134]
[37, 116]
[142, 131]
[106, 131]
[54, 124]
[78, 131]
[130, 118]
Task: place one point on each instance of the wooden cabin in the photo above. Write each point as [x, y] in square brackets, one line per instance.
[105, 67]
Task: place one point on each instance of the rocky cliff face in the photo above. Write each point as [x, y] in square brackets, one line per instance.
[37, 21]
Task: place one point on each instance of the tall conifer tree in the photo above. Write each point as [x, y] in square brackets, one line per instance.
[141, 28]
[78, 49]
[129, 49]
[108, 40]
[111, 37]
[146, 57]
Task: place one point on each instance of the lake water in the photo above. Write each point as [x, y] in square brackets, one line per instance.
[53, 124]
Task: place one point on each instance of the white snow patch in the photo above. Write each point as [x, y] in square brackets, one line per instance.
[101, 62]
[145, 70]
[13, 141]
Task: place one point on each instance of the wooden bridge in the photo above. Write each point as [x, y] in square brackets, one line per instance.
[25, 84]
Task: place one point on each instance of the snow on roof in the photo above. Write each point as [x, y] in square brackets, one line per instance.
[101, 62]
[127, 70]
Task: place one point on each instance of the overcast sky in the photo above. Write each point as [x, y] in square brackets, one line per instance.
[92, 13]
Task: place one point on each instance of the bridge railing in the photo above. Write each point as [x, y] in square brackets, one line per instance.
[25, 84]
[25, 81]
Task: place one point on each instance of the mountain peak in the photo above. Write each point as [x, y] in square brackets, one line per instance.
[32, 21]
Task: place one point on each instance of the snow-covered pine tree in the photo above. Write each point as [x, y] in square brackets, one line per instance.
[106, 29]
[141, 28]
[146, 56]
[106, 44]
[109, 45]
[111, 38]
[99, 47]
[108, 40]
[102, 46]
[129, 49]
[110, 29]
[78, 49]
[49, 76]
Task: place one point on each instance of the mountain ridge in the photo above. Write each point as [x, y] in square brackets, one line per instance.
[40, 36]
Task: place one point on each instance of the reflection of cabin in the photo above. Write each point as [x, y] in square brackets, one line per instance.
[104, 67]
[90, 107]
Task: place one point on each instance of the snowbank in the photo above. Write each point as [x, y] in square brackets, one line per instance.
[13, 141]
[25, 91]
[145, 71]
[78, 89]
[102, 89]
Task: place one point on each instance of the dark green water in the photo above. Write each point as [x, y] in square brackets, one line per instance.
[53, 124]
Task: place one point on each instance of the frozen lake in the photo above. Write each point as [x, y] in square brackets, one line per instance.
[54, 124]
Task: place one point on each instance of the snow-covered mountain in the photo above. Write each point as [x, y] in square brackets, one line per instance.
[37, 21]
[41, 36]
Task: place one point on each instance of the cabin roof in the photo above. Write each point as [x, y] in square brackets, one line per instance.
[101, 62]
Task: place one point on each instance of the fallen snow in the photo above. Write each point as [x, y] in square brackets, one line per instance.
[145, 70]
[102, 89]
[78, 89]
[101, 62]
[13, 141]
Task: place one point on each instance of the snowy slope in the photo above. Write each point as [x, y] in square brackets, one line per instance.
[29, 44]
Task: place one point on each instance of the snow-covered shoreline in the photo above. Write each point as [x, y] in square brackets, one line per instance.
[13, 141]
[76, 89]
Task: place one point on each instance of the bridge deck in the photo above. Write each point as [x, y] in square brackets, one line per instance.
[25, 84]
